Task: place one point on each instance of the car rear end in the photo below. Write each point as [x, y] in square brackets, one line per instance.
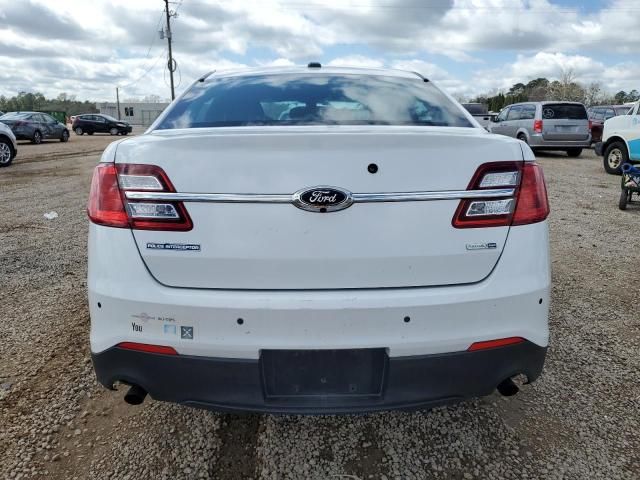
[560, 126]
[21, 124]
[317, 241]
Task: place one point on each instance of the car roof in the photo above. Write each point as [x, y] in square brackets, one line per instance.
[610, 106]
[303, 70]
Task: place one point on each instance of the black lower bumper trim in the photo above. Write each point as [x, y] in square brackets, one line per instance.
[238, 384]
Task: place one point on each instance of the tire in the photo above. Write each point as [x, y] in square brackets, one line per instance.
[574, 152]
[124, 133]
[89, 133]
[6, 153]
[614, 157]
[522, 137]
[113, 131]
[65, 136]
[37, 137]
[624, 199]
[79, 131]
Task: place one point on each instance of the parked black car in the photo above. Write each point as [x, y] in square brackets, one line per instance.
[91, 123]
[35, 126]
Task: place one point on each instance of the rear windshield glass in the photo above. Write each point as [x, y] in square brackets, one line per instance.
[313, 100]
[16, 116]
[622, 110]
[564, 111]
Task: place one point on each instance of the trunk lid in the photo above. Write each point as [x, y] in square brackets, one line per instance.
[278, 246]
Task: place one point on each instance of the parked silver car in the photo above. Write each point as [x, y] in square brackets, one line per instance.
[8, 146]
[546, 125]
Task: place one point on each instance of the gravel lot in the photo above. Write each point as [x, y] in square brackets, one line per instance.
[580, 420]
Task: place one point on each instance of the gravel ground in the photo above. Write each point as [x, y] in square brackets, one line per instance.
[580, 420]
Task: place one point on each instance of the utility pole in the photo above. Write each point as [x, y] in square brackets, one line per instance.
[170, 63]
[118, 101]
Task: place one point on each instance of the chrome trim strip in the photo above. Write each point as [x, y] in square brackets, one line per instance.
[357, 197]
[211, 197]
[428, 196]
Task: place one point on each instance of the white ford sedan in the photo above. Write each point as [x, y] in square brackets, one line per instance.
[317, 240]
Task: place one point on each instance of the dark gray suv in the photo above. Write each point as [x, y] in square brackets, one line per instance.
[35, 126]
[546, 125]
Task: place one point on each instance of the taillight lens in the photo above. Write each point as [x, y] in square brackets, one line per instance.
[105, 202]
[532, 203]
[590, 124]
[529, 203]
[109, 206]
[537, 126]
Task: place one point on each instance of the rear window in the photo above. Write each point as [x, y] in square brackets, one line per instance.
[313, 100]
[622, 110]
[16, 116]
[564, 111]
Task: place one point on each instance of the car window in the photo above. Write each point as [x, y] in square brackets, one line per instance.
[48, 118]
[609, 113]
[503, 115]
[313, 100]
[99, 119]
[528, 112]
[564, 111]
[597, 114]
[514, 113]
[622, 110]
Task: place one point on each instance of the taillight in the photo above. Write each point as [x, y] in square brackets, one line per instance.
[109, 206]
[537, 126]
[590, 124]
[532, 203]
[105, 201]
[526, 204]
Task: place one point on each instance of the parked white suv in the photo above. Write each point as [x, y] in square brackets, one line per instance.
[320, 240]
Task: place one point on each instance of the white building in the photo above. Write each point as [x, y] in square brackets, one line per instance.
[136, 113]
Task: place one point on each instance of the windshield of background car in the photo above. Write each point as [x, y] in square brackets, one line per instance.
[563, 111]
[16, 116]
[313, 100]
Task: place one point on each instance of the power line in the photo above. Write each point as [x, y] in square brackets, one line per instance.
[145, 72]
[444, 7]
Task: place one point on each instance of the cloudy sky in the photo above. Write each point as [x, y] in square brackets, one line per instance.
[87, 48]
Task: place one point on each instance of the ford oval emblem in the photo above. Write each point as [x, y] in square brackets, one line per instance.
[322, 199]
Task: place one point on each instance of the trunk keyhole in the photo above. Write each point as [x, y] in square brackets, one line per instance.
[372, 168]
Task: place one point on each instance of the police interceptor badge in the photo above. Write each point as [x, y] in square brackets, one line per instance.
[183, 247]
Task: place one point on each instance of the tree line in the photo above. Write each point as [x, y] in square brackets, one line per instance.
[26, 101]
[566, 88]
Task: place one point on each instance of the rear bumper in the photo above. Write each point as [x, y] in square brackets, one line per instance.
[238, 384]
[538, 141]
